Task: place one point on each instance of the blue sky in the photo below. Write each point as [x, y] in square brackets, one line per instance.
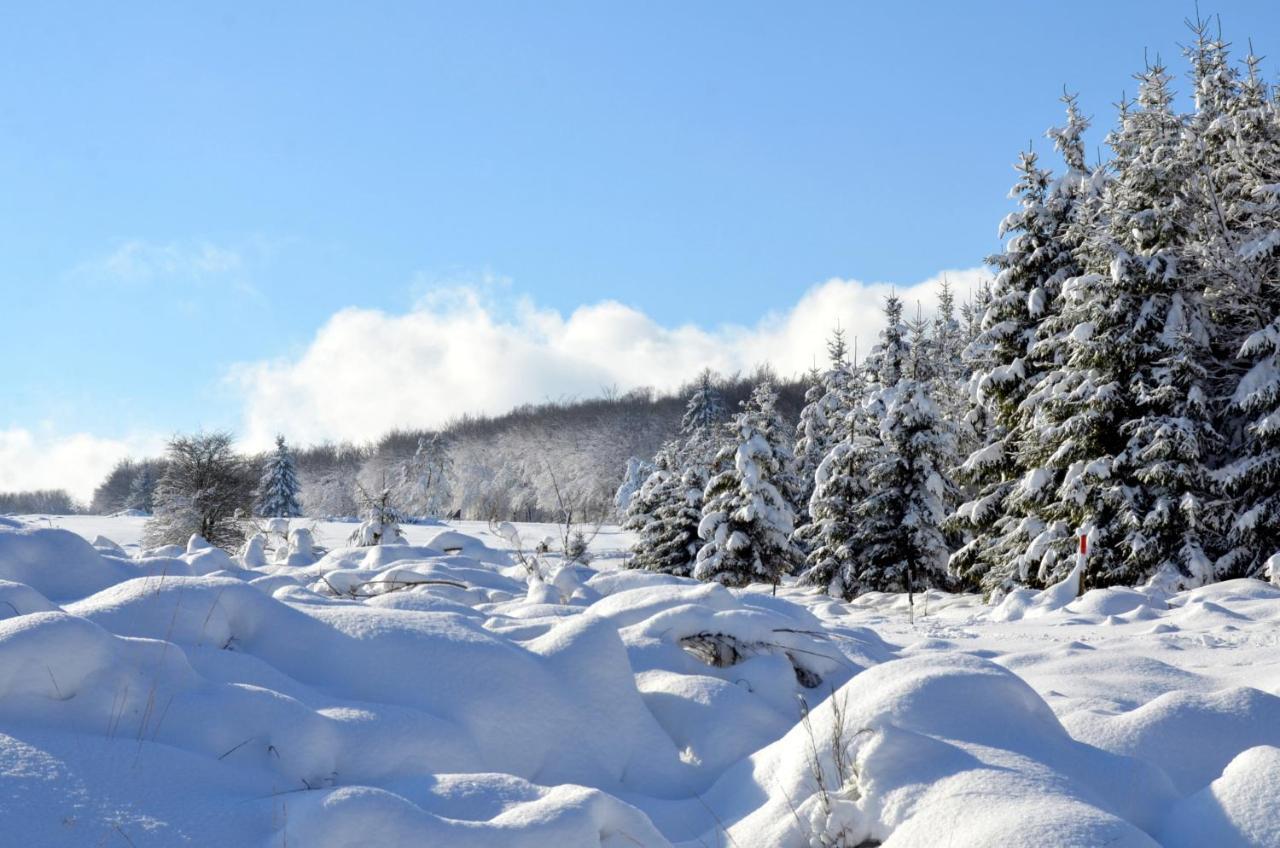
[191, 193]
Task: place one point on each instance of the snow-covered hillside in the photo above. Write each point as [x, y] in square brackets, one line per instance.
[435, 693]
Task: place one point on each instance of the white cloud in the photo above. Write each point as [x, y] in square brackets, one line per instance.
[77, 462]
[138, 261]
[471, 349]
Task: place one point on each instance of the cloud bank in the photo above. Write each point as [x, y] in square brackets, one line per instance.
[466, 349]
[78, 462]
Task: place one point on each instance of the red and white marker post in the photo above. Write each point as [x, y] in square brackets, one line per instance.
[1080, 562]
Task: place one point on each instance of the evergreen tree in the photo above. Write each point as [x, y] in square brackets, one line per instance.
[1010, 355]
[747, 523]
[1218, 201]
[643, 506]
[1123, 427]
[668, 541]
[971, 314]
[278, 488]
[950, 371]
[705, 409]
[899, 522]
[823, 419]
[882, 492]
[1248, 300]
[1254, 478]
[701, 425]
[887, 363]
[977, 425]
[780, 436]
[812, 433]
[832, 537]
[1232, 145]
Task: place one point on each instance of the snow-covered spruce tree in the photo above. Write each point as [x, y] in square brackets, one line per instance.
[824, 417]
[780, 435]
[1121, 426]
[278, 488]
[928, 369]
[1254, 479]
[142, 490]
[1011, 352]
[206, 490]
[888, 360]
[812, 430]
[668, 542]
[831, 538]
[899, 522]
[1218, 206]
[702, 423]
[746, 521]
[886, 364]
[975, 357]
[972, 311]
[950, 371]
[426, 478]
[1253, 416]
[1232, 142]
[644, 504]
[882, 492]
[705, 410]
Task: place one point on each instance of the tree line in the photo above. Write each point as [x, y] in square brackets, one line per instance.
[518, 466]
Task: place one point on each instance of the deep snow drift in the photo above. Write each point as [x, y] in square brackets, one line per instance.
[435, 693]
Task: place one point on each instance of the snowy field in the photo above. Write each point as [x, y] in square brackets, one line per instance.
[186, 700]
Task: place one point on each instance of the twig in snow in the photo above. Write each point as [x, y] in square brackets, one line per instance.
[228, 753]
[55, 683]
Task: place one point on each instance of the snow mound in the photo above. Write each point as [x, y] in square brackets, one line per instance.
[453, 542]
[19, 599]
[355, 817]
[56, 563]
[1115, 601]
[107, 547]
[436, 692]
[998, 770]
[1240, 808]
[1210, 729]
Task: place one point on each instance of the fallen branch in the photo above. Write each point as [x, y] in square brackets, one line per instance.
[396, 586]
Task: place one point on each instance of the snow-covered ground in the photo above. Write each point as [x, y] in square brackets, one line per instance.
[183, 699]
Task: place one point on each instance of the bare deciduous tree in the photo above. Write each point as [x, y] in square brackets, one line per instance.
[206, 489]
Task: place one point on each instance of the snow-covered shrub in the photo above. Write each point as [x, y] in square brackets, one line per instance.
[381, 524]
[253, 554]
[831, 814]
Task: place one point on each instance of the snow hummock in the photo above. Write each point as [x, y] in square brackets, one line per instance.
[441, 692]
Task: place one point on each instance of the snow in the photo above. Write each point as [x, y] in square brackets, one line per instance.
[437, 692]
[1237, 808]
